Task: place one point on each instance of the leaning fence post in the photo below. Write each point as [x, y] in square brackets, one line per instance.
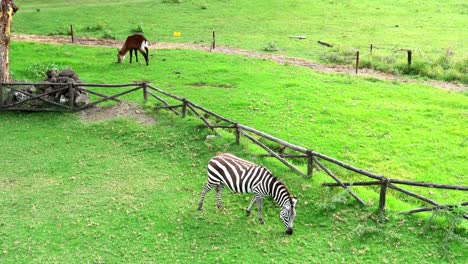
[72, 34]
[357, 61]
[184, 107]
[383, 194]
[145, 91]
[310, 163]
[71, 96]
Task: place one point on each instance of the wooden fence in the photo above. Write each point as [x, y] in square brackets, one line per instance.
[275, 147]
[49, 105]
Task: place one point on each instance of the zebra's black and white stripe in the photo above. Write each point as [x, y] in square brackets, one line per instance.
[242, 176]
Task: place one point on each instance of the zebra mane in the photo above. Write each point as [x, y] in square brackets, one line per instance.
[276, 179]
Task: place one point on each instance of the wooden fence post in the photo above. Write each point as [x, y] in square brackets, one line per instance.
[213, 42]
[410, 53]
[371, 46]
[357, 61]
[310, 164]
[237, 134]
[71, 96]
[72, 34]
[145, 91]
[383, 194]
[184, 107]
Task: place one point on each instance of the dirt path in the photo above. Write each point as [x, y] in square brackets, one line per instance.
[343, 69]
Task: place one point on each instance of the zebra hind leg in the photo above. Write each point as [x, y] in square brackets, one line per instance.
[249, 209]
[219, 191]
[259, 205]
[206, 189]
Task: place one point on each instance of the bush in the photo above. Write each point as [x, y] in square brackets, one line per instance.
[271, 47]
[38, 71]
[138, 29]
[339, 56]
[446, 66]
[96, 27]
[60, 32]
[108, 35]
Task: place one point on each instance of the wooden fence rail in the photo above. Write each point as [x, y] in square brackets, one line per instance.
[53, 106]
[215, 121]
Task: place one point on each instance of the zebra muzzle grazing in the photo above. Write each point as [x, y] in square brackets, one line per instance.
[242, 176]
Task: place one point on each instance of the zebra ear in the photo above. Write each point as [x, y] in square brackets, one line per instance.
[294, 200]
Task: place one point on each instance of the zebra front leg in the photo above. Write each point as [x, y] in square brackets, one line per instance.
[249, 209]
[206, 189]
[219, 191]
[131, 55]
[259, 205]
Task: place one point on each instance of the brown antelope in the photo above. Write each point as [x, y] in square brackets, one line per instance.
[134, 43]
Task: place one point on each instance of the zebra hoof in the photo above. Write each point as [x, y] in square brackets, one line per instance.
[261, 221]
[220, 207]
[200, 208]
[247, 212]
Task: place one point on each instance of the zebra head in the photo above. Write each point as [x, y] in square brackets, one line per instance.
[288, 213]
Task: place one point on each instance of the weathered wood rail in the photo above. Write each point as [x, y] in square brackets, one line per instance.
[313, 158]
[274, 146]
[53, 106]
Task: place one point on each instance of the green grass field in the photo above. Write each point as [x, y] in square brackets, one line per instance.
[396, 129]
[436, 33]
[116, 191]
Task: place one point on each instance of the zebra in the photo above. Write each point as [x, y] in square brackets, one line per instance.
[242, 176]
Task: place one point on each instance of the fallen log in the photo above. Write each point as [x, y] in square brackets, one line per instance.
[325, 44]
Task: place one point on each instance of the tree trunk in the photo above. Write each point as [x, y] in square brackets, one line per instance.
[7, 10]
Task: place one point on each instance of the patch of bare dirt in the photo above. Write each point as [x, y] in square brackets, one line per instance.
[122, 109]
[341, 69]
[202, 84]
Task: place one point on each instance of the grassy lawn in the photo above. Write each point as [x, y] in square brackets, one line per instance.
[436, 33]
[405, 131]
[116, 191]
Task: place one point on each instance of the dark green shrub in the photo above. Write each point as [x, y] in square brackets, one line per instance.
[60, 32]
[96, 27]
[172, 1]
[108, 35]
[138, 29]
[38, 71]
[271, 47]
